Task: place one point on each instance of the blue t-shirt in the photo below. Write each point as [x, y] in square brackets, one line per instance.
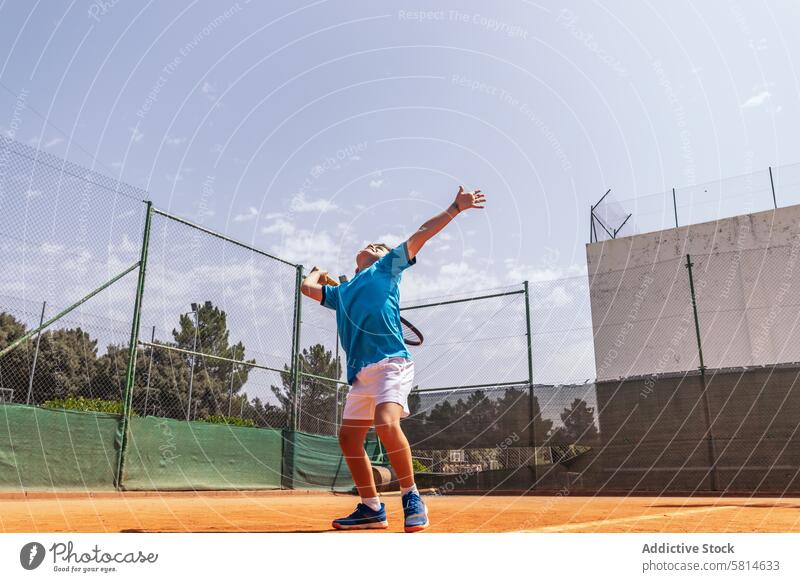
[368, 311]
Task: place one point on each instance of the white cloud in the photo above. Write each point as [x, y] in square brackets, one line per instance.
[208, 87]
[757, 99]
[247, 216]
[174, 141]
[30, 194]
[375, 184]
[280, 226]
[136, 135]
[517, 272]
[310, 248]
[451, 278]
[300, 203]
[53, 142]
[51, 249]
[390, 239]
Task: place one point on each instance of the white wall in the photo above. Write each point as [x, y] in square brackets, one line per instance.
[746, 272]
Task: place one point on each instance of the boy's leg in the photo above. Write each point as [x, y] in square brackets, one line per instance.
[351, 440]
[387, 425]
[370, 513]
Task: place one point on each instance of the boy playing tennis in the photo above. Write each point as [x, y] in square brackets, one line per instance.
[379, 367]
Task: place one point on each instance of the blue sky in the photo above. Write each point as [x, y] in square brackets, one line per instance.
[322, 125]
[309, 128]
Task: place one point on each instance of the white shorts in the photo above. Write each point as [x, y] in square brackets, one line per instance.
[389, 380]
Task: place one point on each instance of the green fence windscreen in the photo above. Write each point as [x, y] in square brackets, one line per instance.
[43, 449]
[166, 454]
[316, 462]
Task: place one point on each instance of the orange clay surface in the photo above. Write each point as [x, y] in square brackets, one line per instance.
[312, 512]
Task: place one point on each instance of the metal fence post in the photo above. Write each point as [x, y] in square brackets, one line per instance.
[132, 347]
[294, 419]
[772, 185]
[675, 207]
[35, 355]
[712, 455]
[531, 436]
[531, 395]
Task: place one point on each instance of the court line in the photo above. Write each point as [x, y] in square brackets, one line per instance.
[634, 518]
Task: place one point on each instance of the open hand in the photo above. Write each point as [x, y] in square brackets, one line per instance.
[465, 200]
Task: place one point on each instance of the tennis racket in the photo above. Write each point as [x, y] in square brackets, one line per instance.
[411, 335]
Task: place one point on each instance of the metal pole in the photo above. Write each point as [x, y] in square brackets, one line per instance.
[338, 376]
[689, 265]
[149, 368]
[772, 184]
[132, 346]
[675, 207]
[191, 369]
[712, 455]
[230, 391]
[294, 411]
[531, 434]
[35, 355]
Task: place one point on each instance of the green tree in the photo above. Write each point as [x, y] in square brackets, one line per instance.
[66, 365]
[514, 417]
[320, 402]
[14, 366]
[578, 425]
[163, 375]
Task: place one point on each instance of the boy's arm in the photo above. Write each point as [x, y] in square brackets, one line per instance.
[311, 286]
[464, 200]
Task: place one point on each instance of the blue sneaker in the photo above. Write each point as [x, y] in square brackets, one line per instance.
[416, 512]
[363, 518]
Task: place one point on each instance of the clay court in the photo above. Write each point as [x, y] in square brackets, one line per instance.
[297, 511]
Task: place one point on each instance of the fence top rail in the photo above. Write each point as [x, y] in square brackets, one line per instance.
[221, 236]
[471, 387]
[463, 300]
[324, 378]
[209, 356]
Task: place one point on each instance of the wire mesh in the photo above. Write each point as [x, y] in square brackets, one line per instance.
[752, 192]
[561, 331]
[470, 339]
[321, 363]
[218, 321]
[642, 319]
[65, 232]
[497, 429]
[748, 310]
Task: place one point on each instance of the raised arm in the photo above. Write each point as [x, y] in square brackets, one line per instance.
[312, 284]
[464, 201]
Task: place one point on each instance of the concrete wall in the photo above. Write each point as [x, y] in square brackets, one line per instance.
[746, 273]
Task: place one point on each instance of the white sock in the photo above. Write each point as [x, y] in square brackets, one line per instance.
[374, 503]
[404, 490]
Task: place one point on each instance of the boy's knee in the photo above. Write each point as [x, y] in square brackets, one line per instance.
[389, 427]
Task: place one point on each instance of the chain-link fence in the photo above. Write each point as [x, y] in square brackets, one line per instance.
[675, 372]
[322, 386]
[217, 328]
[773, 187]
[67, 285]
